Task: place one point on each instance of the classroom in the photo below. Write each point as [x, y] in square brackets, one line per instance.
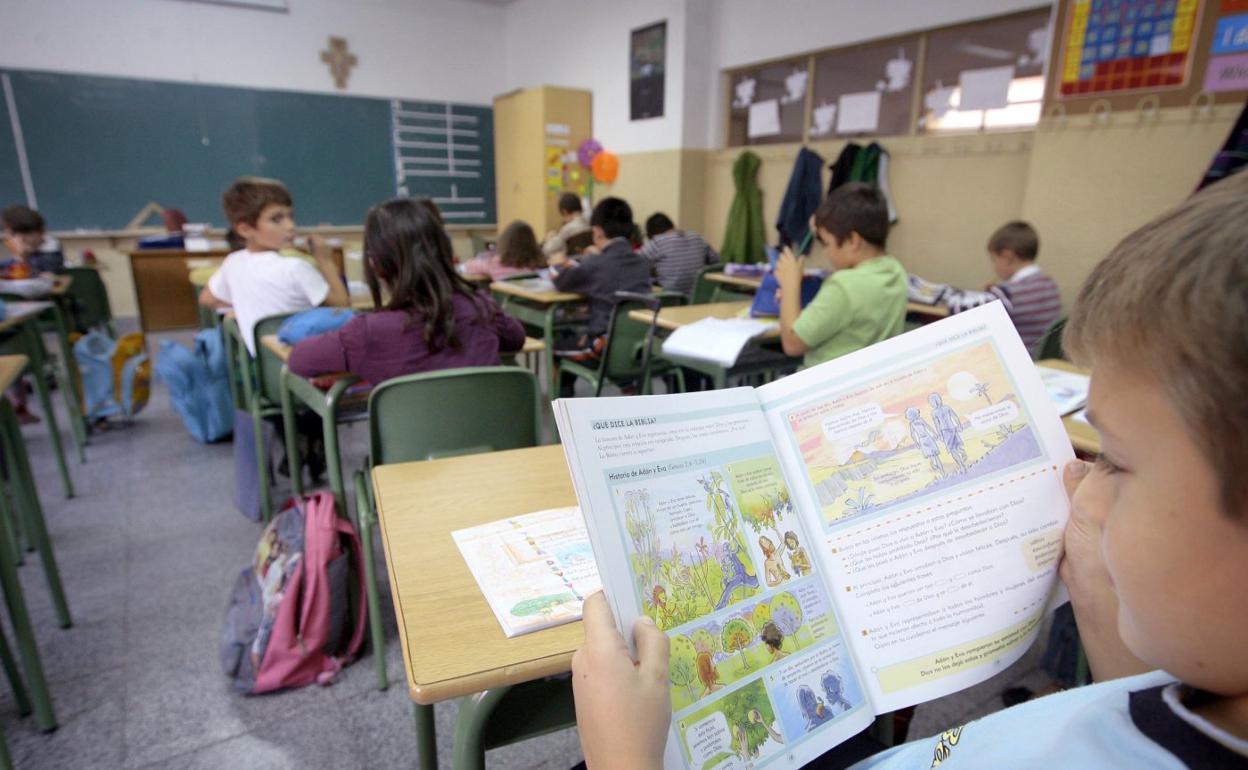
[349, 348]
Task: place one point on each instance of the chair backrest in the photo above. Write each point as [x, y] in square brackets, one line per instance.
[576, 244]
[625, 355]
[1050, 345]
[704, 288]
[241, 378]
[268, 366]
[453, 412]
[91, 307]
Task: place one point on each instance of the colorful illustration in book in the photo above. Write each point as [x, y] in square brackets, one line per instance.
[913, 432]
[773, 568]
[767, 509]
[747, 639]
[688, 552]
[739, 727]
[797, 554]
[814, 689]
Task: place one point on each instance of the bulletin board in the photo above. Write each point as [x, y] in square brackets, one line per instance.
[846, 76]
[1121, 54]
[767, 103]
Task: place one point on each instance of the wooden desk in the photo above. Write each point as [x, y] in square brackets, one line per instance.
[534, 290]
[1083, 437]
[452, 643]
[533, 302]
[282, 350]
[751, 283]
[162, 286]
[11, 367]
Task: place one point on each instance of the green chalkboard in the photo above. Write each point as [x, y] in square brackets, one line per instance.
[101, 148]
[11, 190]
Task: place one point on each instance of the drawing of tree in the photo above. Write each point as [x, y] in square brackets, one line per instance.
[719, 505]
[700, 570]
[762, 614]
[705, 641]
[737, 637]
[642, 532]
[786, 612]
[682, 666]
[763, 515]
[737, 708]
[981, 389]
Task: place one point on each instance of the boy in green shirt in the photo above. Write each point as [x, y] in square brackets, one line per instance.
[861, 303]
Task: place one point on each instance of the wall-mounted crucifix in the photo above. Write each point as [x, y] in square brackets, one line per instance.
[340, 60]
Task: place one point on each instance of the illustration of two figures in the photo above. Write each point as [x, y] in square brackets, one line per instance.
[946, 429]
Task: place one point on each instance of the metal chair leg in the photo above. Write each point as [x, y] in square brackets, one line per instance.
[365, 519]
[262, 462]
[426, 737]
[15, 677]
[294, 461]
[38, 365]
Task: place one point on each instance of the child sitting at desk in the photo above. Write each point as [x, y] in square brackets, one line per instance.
[615, 267]
[677, 255]
[32, 251]
[574, 223]
[860, 304]
[1154, 550]
[517, 254]
[433, 319]
[256, 281]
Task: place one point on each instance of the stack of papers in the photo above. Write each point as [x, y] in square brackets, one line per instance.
[535, 570]
[719, 340]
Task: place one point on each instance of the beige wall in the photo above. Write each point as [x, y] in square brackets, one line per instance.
[1084, 186]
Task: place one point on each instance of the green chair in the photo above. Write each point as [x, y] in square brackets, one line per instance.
[26, 340]
[1050, 345]
[443, 414]
[628, 356]
[90, 299]
[704, 289]
[260, 379]
[333, 405]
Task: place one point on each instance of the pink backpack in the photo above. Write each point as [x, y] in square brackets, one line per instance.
[288, 620]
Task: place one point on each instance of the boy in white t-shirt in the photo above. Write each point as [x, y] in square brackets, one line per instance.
[257, 281]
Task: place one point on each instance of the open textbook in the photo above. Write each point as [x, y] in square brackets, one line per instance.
[871, 533]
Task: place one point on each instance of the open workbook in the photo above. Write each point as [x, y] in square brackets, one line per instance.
[865, 535]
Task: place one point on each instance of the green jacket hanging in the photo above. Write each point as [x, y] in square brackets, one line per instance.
[744, 238]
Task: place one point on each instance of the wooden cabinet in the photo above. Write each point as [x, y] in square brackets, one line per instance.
[528, 124]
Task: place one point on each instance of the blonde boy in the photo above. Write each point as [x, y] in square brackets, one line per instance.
[1156, 547]
[256, 281]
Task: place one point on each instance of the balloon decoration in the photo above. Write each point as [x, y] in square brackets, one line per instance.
[605, 167]
[586, 152]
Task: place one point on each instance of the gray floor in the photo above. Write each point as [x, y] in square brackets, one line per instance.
[148, 551]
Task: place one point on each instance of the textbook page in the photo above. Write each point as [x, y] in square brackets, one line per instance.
[693, 524]
[932, 465]
[534, 570]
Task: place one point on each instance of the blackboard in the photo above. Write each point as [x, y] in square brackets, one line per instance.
[101, 148]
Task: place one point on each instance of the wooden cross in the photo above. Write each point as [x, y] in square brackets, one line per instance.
[340, 61]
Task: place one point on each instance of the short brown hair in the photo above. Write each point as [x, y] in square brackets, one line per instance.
[570, 203]
[23, 219]
[1170, 298]
[1018, 237]
[517, 247]
[248, 196]
[856, 207]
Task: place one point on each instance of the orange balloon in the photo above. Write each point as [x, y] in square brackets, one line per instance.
[605, 167]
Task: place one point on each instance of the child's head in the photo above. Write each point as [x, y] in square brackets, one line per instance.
[659, 223]
[24, 228]
[612, 218]
[852, 224]
[259, 211]
[517, 247]
[408, 253]
[1163, 323]
[1012, 247]
[772, 636]
[569, 206]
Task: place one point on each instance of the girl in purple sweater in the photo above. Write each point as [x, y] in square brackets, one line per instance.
[433, 319]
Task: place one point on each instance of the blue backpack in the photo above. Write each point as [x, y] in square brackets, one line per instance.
[116, 375]
[199, 385]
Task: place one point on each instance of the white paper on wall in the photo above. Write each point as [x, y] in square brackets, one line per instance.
[764, 119]
[985, 89]
[858, 112]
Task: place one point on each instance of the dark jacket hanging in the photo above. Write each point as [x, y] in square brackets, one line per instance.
[843, 166]
[801, 198]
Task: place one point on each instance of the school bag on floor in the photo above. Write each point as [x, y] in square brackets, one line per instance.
[288, 622]
[116, 375]
[199, 385]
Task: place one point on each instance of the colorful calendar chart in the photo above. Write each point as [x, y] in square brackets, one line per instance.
[1113, 46]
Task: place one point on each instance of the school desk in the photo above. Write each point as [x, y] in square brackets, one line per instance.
[452, 644]
[754, 359]
[23, 317]
[916, 310]
[534, 302]
[1083, 437]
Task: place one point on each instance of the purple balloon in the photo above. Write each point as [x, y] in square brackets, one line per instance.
[586, 152]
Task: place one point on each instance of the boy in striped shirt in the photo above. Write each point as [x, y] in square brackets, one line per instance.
[1030, 296]
[677, 255]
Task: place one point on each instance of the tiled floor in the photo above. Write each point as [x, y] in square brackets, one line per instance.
[148, 551]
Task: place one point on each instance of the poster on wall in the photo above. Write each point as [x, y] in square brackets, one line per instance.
[647, 55]
[1112, 46]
